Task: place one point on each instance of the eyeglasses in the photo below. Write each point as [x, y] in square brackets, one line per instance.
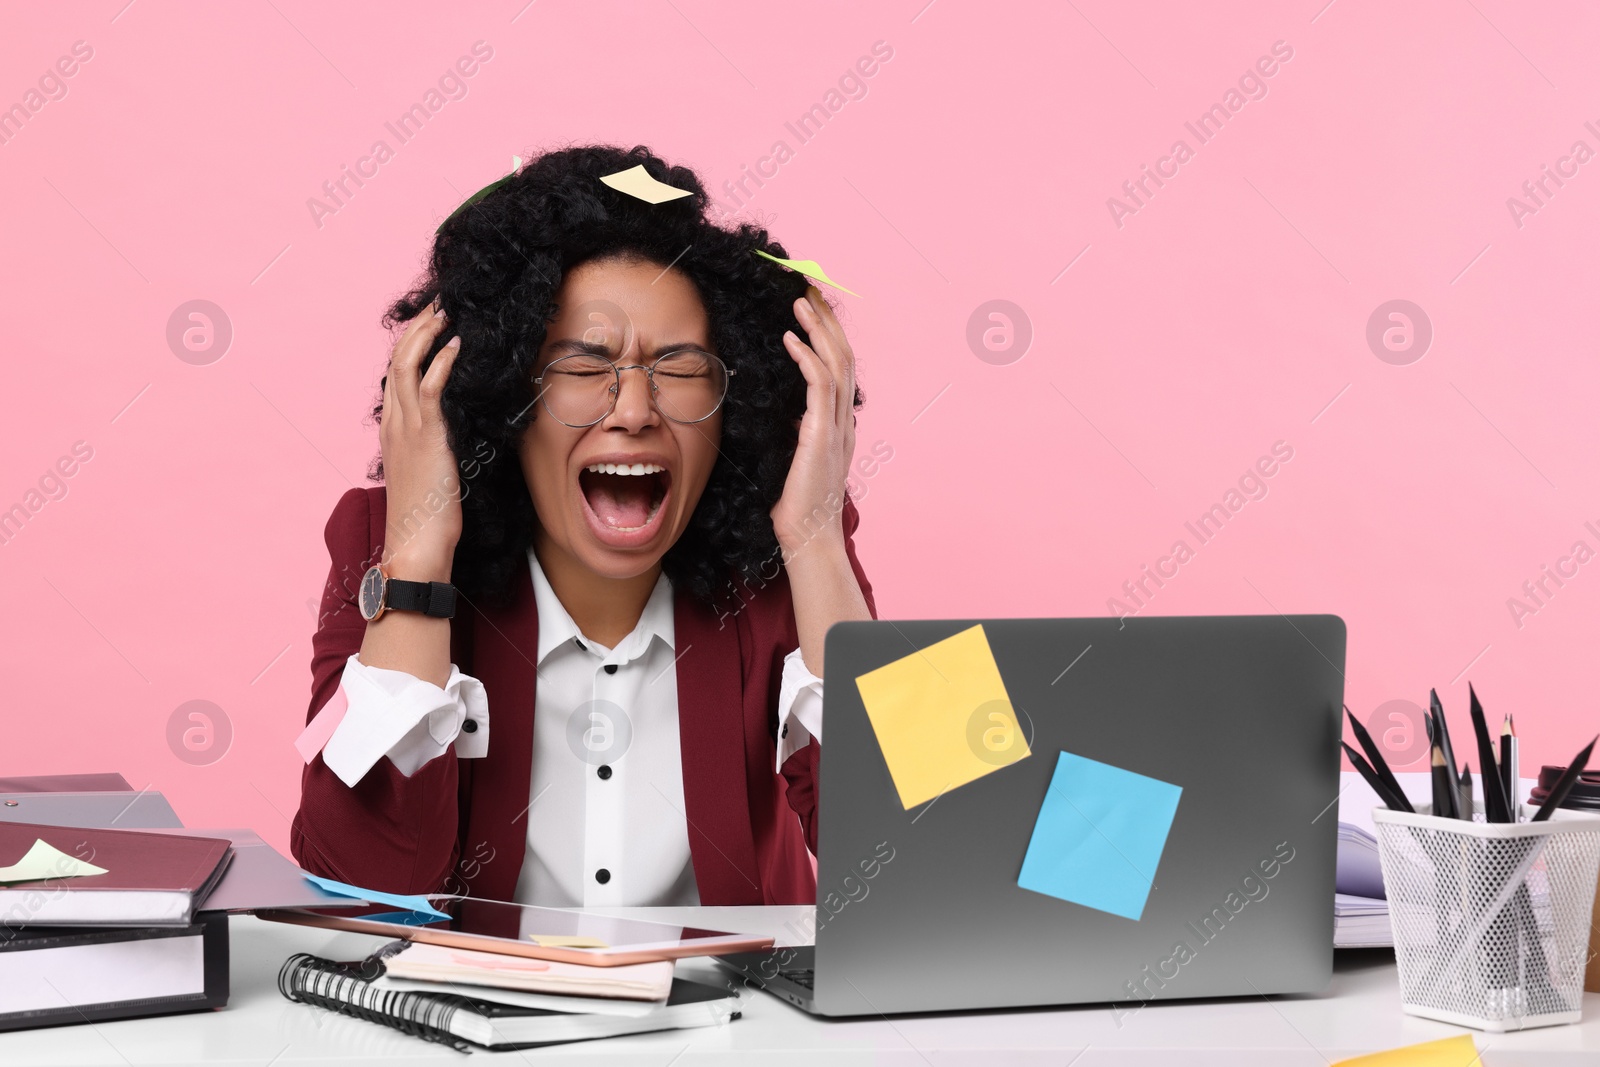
[687, 386]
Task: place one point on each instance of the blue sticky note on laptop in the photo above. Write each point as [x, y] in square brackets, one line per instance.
[1099, 836]
[399, 900]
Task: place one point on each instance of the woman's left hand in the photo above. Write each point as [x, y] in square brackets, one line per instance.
[812, 504]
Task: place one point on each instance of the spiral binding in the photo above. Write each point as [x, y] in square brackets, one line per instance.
[346, 989]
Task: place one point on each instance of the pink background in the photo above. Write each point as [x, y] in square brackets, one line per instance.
[1227, 314]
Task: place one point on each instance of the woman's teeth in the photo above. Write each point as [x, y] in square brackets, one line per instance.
[625, 468]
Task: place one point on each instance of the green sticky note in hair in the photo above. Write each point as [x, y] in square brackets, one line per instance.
[516, 165]
[809, 267]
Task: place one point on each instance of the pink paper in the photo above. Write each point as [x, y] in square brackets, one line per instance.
[317, 732]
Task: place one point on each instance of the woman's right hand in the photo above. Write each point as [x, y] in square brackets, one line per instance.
[423, 522]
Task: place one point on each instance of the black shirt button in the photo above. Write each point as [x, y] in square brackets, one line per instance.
[611, 668]
[602, 876]
[603, 771]
[580, 644]
[470, 726]
[785, 729]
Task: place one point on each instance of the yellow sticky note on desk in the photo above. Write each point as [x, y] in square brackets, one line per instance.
[1458, 1051]
[942, 716]
[566, 941]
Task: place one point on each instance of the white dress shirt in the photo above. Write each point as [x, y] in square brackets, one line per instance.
[606, 821]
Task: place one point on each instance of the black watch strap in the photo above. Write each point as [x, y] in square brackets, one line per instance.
[435, 599]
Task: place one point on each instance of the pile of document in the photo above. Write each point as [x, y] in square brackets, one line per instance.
[458, 996]
[1360, 910]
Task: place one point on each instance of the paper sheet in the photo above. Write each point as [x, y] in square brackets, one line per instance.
[399, 900]
[810, 268]
[1099, 836]
[637, 183]
[1458, 1051]
[43, 860]
[942, 717]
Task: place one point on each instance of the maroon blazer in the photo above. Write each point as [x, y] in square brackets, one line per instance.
[460, 826]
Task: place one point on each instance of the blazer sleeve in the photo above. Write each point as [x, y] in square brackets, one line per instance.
[800, 770]
[388, 832]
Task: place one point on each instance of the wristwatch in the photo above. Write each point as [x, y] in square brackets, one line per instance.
[381, 593]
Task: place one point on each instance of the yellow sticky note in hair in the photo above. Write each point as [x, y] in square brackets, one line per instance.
[636, 182]
[809, 267]
[1458, 1051]
[942, 716]
[566, 941]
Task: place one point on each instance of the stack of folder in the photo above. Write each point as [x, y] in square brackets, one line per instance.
[104, 923]
[110, 908]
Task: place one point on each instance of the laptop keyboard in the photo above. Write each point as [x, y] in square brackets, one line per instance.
[800, 978]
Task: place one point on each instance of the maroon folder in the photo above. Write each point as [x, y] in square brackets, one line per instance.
[151, 879]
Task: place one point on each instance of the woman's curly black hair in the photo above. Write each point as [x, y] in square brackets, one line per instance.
[497, 266]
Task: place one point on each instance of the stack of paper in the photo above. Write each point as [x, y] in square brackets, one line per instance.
[1360, 922]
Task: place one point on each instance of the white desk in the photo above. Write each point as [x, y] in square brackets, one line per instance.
[1359, 1013]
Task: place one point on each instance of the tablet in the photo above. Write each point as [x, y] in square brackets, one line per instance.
[570, 936]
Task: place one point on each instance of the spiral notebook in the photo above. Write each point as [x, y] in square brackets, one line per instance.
[456, 1020]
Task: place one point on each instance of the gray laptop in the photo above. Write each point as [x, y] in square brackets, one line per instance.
[1202, 752]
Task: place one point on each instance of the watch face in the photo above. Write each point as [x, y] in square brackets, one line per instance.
[371, 598]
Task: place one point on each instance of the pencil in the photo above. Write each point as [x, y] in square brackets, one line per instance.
[1464, 787]
[1375, 756]
[1444, 788]
[1495, 807]
[1509, 772]
[1564, 784]
[1441, 730]
[1392, 800]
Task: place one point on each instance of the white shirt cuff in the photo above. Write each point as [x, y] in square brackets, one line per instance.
[395, 714]
[799, 708]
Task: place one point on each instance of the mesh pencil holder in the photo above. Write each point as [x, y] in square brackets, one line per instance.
[1490, 920]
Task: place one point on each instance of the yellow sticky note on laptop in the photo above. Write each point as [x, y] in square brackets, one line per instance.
[1458, 1051]
[942, 717]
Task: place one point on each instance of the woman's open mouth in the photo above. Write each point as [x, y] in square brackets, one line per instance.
[623, 500]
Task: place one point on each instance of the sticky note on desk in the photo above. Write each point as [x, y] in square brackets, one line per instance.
[566, 941]
[942, 716]
[1458, 1051]
[399, 900]
[43, 860]
[1099, 836]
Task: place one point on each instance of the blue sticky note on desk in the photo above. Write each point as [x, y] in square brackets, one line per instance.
[399, 900]
[1099, 836]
